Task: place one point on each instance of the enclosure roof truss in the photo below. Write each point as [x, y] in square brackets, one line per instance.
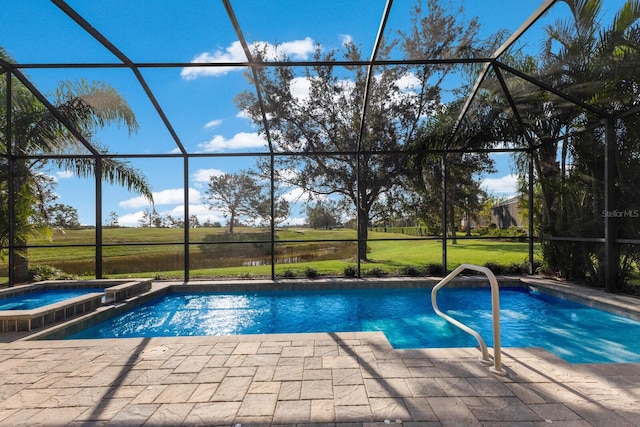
[492, 67]
[489, 63]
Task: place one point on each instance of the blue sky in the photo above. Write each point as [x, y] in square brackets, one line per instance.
[199, 102]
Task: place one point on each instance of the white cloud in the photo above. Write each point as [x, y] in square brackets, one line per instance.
[164, 197]
[64, 174]
[345, 39]
[213, 124]
[296, 195]
[409, 81]
[201, 211]
[203, 175]
[172, 196]
[296, 49]
[287, 174]
[506, 185]
[130, 220]
[242, 114]
[135, 202]
[239, 141]
[295, 221]
[232, 53]
[300, 87]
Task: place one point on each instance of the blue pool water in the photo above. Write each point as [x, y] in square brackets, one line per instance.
[41, 298]
[574, 332]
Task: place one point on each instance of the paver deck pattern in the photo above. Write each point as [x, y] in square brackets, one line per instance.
[300, 379]
[332, 379]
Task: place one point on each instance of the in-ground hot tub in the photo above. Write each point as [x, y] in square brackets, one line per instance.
[29, 307]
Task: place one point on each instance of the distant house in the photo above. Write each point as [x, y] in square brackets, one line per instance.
[507, 214]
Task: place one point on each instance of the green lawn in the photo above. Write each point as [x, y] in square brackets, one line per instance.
[422, 252]
[162, 252]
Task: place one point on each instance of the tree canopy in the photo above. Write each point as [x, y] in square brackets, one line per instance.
[37, 134]
[332, 157]
[235, 195]
[595, 63]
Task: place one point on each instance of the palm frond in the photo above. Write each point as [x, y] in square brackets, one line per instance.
[96, 104]
[585, 13]
[85, 107]
[627, 16]
[123, 174]
[113, 171]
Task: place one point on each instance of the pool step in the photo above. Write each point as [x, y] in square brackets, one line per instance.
[116, 293]
[16, 320]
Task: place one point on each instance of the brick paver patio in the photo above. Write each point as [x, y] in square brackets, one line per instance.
[321, 379]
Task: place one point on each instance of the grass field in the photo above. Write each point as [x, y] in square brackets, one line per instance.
[157, 252]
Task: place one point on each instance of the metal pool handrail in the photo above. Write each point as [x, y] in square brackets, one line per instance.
[495, 311]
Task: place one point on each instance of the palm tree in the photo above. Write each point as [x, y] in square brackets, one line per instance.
[595, 64]
[38, 138]
[598, 65]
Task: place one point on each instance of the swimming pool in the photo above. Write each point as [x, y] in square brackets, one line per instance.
[28, 307]
[572, 331]
[40, 298]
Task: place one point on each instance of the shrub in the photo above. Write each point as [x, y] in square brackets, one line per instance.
[517, 268]
[513, 269]
[495, 268]
[289, 273]
[350, 271]
[409, 270]
[310, 273]
[47, 272]
[524, 267]
[375, 272]
[434, 269]
[482, 231]
[537, 266]
[512, 233]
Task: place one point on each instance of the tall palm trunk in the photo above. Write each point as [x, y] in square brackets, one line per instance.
[19, 185]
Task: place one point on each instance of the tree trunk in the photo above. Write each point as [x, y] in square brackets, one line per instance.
[363, 233]
[21, 272]
[468, 224]
[232, 219]
[452, 224]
